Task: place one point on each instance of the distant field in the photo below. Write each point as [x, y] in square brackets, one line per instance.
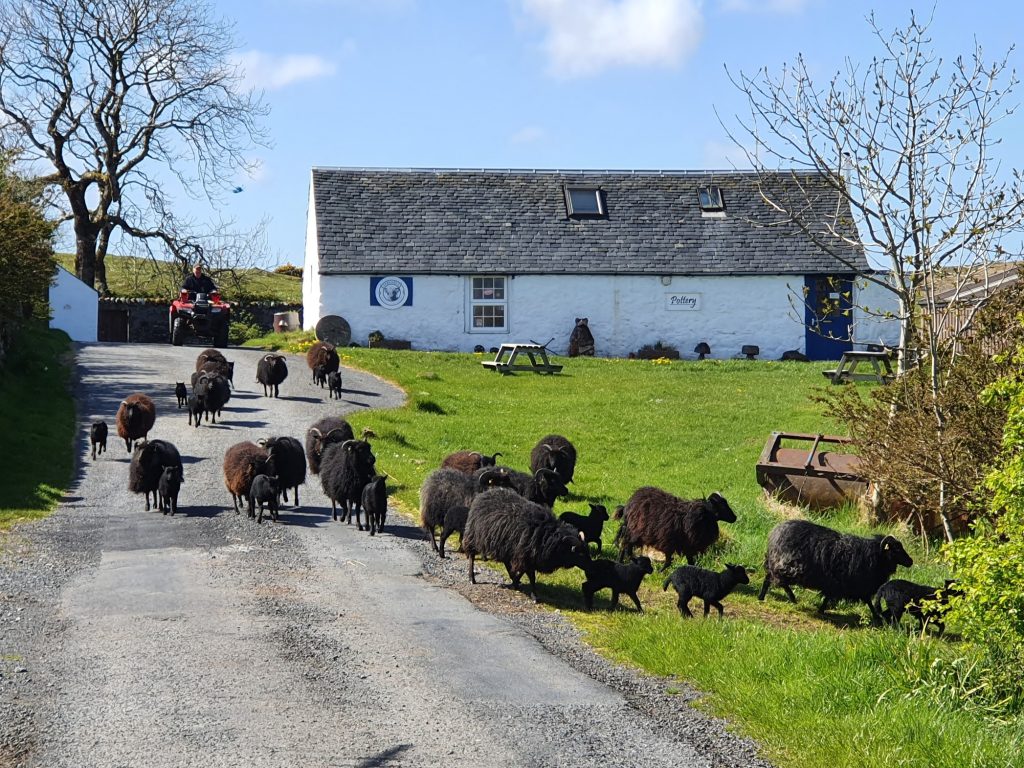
[135, 277]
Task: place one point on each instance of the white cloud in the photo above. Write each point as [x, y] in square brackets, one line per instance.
[585, 38]
[765, 6]
[527, 135]
[724, 156]
[271, 72]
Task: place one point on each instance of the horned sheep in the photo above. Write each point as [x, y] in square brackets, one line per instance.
[147, 465]
[344, 470]
[328, 430]
[445, 489]
[135, 418]
[287, 463]
[271, 370]
[242, 462]
[556, 453]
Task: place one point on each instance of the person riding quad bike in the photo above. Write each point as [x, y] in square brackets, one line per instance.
[200, 311]
[197, 282]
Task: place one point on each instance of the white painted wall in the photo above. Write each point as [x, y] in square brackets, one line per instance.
[625, 312]
[311, 267]
[75, 307]
[871, 326]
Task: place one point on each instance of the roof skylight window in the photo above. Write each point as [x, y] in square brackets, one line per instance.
[710, 198]
[584, 201]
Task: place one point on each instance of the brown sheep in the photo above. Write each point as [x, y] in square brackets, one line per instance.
[242, 462]
[323, 354]
[209, 355]
[657, 519]
[135, 417]
[468, 462]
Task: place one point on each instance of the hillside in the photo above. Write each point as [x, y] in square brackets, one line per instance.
[131, 276]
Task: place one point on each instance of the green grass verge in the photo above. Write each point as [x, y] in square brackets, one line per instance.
[815, 692]
[38, 415]
[130, 276]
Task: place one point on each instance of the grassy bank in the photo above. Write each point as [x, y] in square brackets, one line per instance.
[816, 693]
[37, 412]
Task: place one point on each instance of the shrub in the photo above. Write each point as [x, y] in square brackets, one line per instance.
[658, 351]
[244, 327]
[289, 269]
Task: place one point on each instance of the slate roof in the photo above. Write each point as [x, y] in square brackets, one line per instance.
[445, 221]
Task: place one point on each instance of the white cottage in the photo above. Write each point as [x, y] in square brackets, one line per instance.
[454, 259]
[74, 306]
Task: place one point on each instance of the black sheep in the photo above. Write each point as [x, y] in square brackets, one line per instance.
[447, 488]
[840, 566]
[135, 417]
[98, 436]
[168, 488]
[181, 392]
[320, 376]
[375, 502]
[468, 462]
[454, 521]
[220, 368]
[148, 462]
[263, 492]
[691, 581]
[620, 578]
[543, 487]
[657, 519]
[271, 370]
[196, 408]
[214, 391]
[590, 526]
[344, 470]
[334, 385]
[330, 429]
[242, 462]
[925, 603]
[525, 537]
[556, 453]
[287, 463]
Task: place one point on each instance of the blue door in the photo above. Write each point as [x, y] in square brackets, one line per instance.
[828, 315]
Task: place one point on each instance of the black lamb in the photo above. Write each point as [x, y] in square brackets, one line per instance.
[148, 462]
[98, 436]
[375, 502]
[590, 526]
[556, 453]
[618, 577]
[263, 492]
[543, 487]
[657, 519]
[454, 522]
[840, 566]
[196, 408]
[287, 463]
[334, 385]
[330, 429]
[925, 603]
[691, 581]
[525, 537]
[344, 470]
[271, 370]
[168, 488]
[242, 463]
[447, 488]
[181, 392]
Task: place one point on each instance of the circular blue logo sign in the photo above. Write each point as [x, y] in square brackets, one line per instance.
[392, 292]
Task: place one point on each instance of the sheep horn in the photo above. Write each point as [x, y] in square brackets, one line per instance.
[347, 443]
[336, 429]
[269, 357]
[124, 403]
[315, 432]
[477, 454]
[888, 541]
[262, 442]
[545, 445]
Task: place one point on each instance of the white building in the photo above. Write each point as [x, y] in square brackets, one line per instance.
[454, 259]
[74, 307]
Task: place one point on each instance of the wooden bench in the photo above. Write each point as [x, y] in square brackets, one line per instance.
[536, 353]
[881, 368]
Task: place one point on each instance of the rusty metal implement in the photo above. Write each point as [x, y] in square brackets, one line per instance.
[806, 469]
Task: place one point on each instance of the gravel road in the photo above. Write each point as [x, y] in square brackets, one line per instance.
[128, 638]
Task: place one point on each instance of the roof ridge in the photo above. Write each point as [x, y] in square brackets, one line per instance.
[593, 171]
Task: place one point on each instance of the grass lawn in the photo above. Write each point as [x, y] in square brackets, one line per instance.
[38, 418]
[816, 693]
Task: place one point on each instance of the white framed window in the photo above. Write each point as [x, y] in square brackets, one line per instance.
[488, 304]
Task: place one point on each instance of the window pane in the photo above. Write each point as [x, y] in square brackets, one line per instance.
[489, 316]
[584, 201]
[710, 198]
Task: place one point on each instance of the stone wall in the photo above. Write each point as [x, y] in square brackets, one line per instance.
[147, 320]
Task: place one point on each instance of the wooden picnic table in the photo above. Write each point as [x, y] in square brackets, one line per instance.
[537, 354]
[881, 368]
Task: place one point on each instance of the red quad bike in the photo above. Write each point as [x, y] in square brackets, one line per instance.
[199, 314]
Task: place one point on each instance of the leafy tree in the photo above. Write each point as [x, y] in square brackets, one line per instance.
[27, 261]
[105, 94]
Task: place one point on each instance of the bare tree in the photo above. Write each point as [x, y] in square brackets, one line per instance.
[103, 94]
[906, 140]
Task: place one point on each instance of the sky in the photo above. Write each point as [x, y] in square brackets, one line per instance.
[555, 84]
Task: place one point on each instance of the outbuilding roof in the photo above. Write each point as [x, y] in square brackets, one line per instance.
[453, 221]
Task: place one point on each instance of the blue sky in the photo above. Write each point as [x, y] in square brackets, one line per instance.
[621, 84]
